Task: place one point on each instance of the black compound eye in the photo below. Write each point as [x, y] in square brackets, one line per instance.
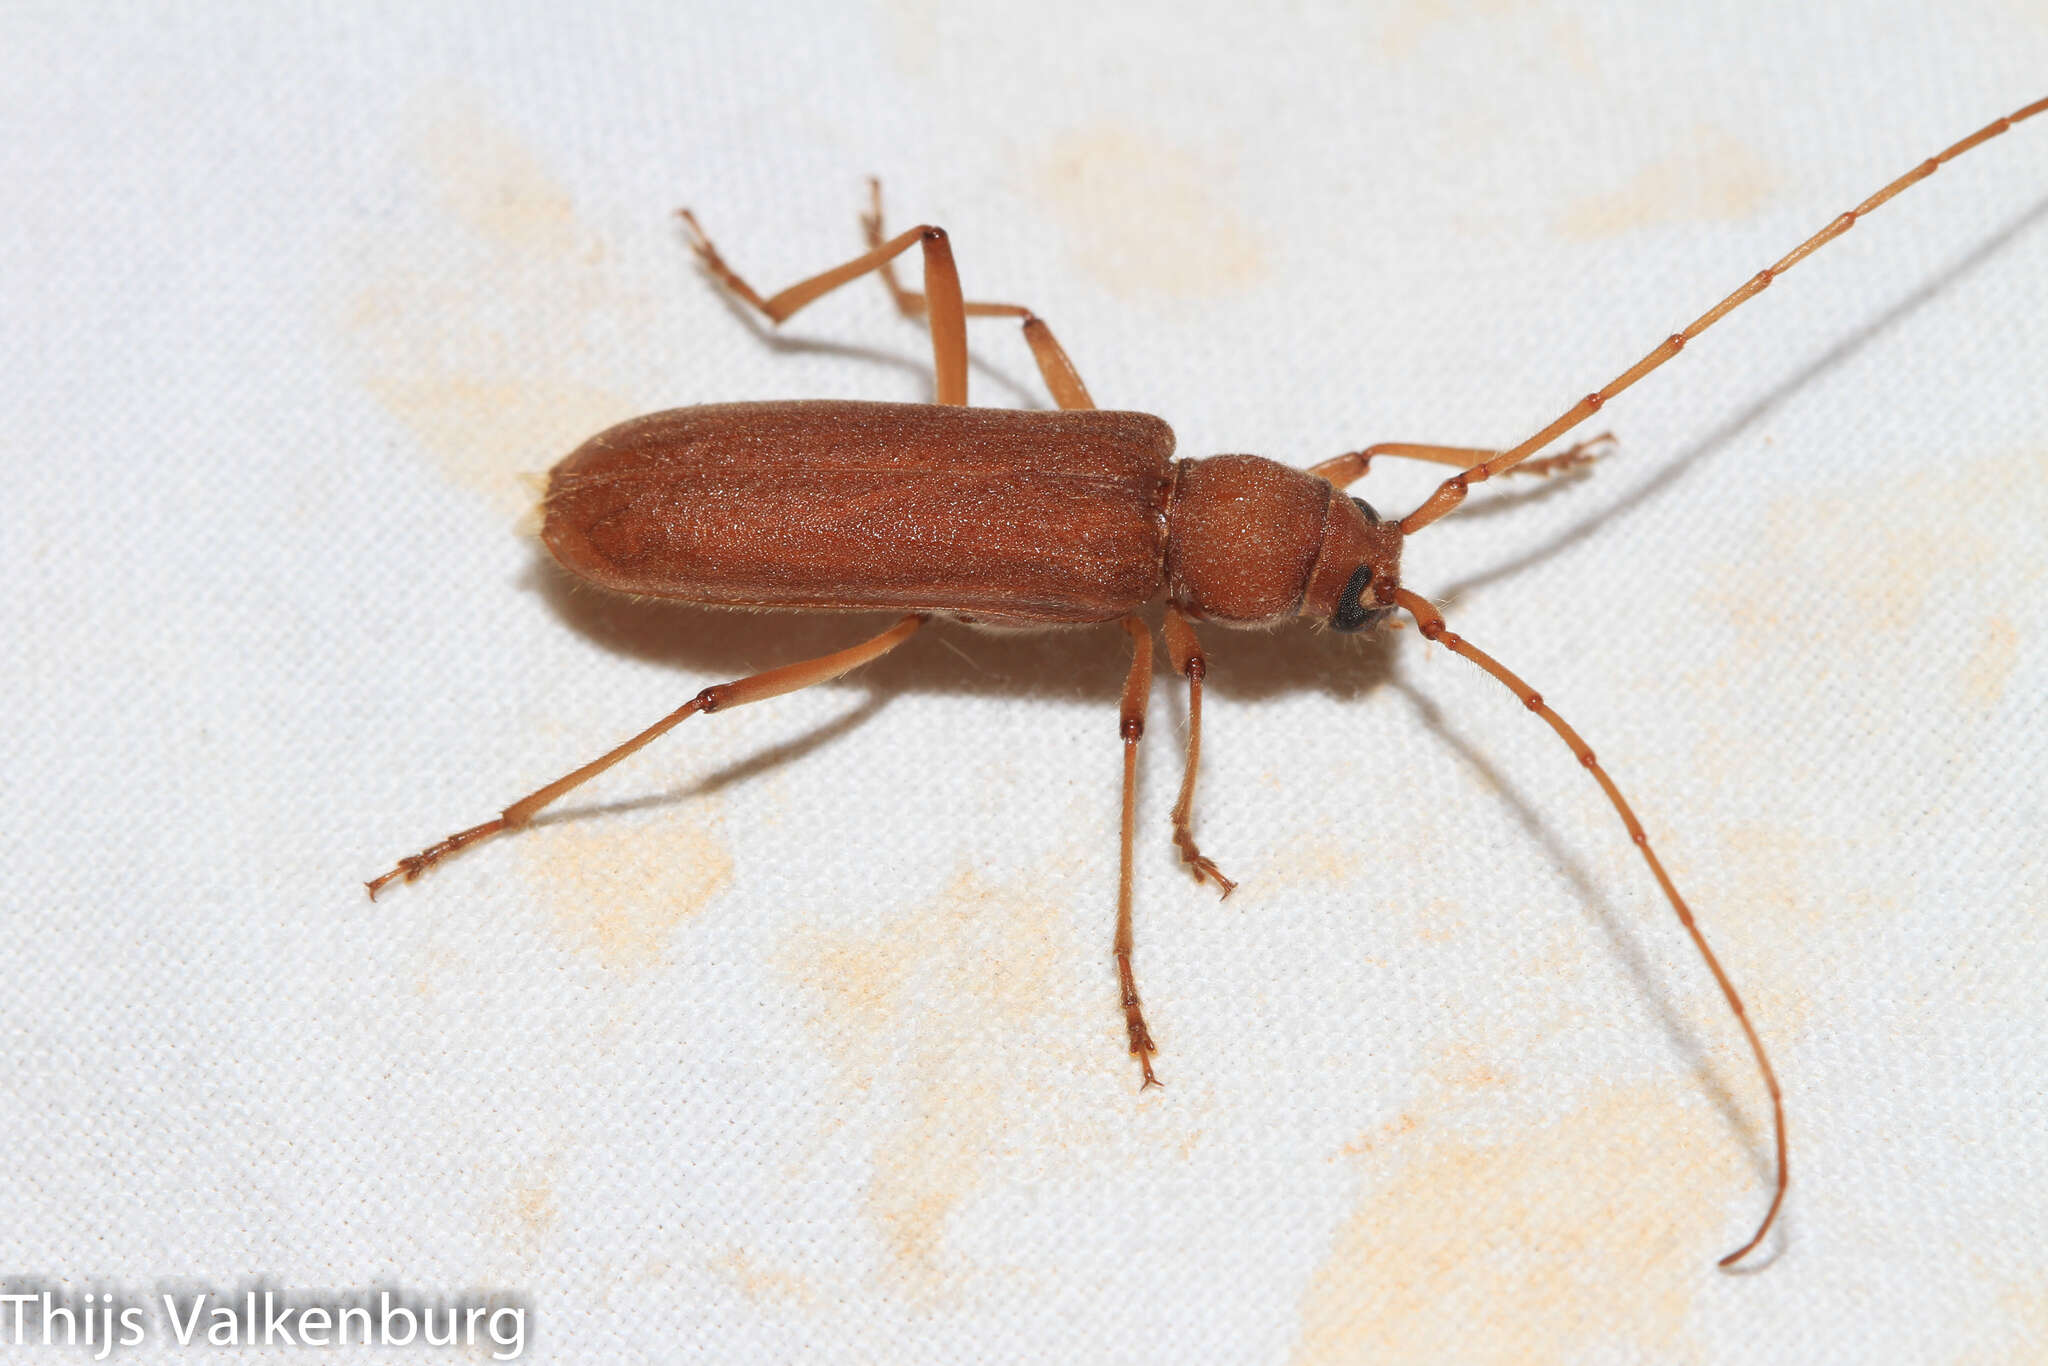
[1366, 508]
[1352, 614]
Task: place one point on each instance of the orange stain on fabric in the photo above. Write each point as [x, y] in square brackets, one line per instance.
[527, 1213]
[1406, 25]
[1714, 179]
[764, 1285]
[1883, 556]
[2017, 1333]
[1991, 664]
[950, 1021]
[618, 890]
[470, 319]
[1585, 1239]
[535, 1207]
[1326, 856]
[1142, 214]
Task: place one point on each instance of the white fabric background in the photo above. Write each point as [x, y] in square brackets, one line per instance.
[795, 1038]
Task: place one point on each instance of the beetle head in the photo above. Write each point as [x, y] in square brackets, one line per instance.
[1354, 535]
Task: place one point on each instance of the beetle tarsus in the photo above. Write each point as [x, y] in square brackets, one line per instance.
[1142, 1047]
[1576, 456]
[410, 867]
[708, 257]
[1201, 865]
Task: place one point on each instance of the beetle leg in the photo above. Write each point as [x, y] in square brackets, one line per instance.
[1185, 652]
[1351, 467]
[718, 697]
[1060, 375]
[908, 302]
[941, 284]
[1131, 725]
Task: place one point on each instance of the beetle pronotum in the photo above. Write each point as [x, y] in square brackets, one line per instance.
[1040, 519]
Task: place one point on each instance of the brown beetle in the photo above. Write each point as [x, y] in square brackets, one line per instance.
[1035, 519]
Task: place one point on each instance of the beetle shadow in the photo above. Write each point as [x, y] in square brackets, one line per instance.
[1075, 663]
[1497, 501]
[1081, 664]
[1085, 664]
[734, 773]
[1681, 466]
[1623, 942]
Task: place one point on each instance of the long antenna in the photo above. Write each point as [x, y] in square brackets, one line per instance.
[1431, 623]
[1452, 491]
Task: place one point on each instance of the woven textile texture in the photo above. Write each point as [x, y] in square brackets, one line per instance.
[795, 1038]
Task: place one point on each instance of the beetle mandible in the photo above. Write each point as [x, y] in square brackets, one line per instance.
[1040, 519]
